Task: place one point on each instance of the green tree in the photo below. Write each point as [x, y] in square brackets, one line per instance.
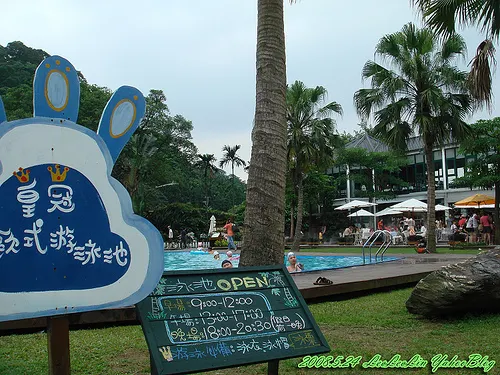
[373, 168]
[18, 102]
[423, 93]
[311, 139]
[443, 17]
[142, 149]
[207, 163]
[93, 99]
[18, 64]
[484, 171]
[230, 156]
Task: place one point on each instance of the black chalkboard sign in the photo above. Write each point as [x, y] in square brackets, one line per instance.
[204, 320]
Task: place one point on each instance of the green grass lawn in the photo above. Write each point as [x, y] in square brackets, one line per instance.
[364, 326]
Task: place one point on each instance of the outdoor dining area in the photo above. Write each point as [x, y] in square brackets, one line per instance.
[405, 221]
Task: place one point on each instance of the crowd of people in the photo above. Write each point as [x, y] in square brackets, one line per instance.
[473, 228]
[407, 229]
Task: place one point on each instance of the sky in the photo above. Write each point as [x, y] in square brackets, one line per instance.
[202, 53]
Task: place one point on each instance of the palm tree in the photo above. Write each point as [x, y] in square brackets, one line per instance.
[264, 225]
[423, 94]
[142, 148]
[230, 156]
[206, 162]
[442, 17]
[311, 139]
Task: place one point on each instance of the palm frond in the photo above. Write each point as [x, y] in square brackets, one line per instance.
[443, 16]
[329, 109]
[480, 76]
[453, 46]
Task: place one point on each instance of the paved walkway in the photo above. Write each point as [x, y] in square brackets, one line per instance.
[410, 268]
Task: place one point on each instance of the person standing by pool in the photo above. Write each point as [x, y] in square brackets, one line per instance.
[170, 236]
[486, 233]
[183, 238]
[229, 230]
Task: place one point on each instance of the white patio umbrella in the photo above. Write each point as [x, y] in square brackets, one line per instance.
[355, 204]
[213, 224]
[411, 205]
[440, 207]
[389, 211]
[361, 213]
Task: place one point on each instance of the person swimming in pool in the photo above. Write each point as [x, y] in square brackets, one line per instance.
[231, 256]
[294, 266]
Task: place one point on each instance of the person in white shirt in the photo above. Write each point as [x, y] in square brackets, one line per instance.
[411, 222]
[423, 231]
[454, 227]
[170, 236]
[470, 228]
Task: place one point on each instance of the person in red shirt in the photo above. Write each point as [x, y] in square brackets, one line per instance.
[486, 223]
[229, 230]
[462, 222]
[380, 224]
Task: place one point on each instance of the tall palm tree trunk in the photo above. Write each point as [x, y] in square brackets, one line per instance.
[232, 184]
[496, 215]
[265, 212]
[291, 220]
[300, 210]
[431, 200]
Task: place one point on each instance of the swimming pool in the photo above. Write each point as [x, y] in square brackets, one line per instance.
[183, 260]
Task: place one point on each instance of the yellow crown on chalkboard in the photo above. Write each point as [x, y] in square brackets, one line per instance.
[57, 176]
[24, 175]
[167, 354]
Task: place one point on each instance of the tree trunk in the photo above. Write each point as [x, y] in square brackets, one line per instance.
[431, 200]
[232, 184]
[300, 211]
[291, 220]
[496, 214]
[265, 211]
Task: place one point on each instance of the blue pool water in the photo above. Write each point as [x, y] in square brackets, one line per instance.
[184, 260]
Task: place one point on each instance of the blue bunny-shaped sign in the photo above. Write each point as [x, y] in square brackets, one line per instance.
[69, 240]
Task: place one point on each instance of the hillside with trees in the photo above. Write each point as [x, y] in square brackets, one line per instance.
[160, 166]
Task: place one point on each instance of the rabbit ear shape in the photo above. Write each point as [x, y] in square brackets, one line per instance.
[56, 89]
[3, 115]
[120, 118]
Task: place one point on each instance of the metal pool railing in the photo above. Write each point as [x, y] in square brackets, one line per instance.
[378, 235]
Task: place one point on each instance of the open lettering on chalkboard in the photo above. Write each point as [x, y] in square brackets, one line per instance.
[220, 318]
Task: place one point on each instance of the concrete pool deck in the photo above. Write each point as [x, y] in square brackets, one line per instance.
[409, 269]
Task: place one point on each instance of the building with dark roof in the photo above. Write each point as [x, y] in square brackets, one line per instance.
[449, 164]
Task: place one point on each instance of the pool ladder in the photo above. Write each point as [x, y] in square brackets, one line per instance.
[386, 238]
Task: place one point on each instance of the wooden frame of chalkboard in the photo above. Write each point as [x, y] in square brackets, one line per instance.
[202, 320]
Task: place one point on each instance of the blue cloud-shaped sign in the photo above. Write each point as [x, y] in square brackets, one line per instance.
[69, 240]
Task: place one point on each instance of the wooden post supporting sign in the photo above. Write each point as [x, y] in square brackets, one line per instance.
[58, 345]
[273, 367]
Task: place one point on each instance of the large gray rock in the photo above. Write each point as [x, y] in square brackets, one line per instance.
[470, 286]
